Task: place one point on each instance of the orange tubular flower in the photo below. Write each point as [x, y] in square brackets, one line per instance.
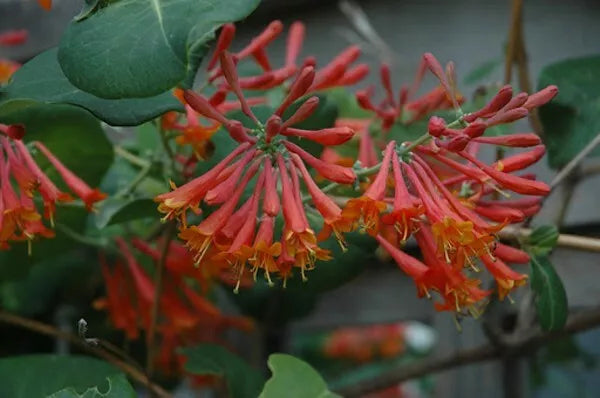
[366, 210]
[185, 317]
[88, 195]
[332, 214]
[20, 180]
[406, 211]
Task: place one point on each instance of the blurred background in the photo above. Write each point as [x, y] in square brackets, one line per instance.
[473, 34]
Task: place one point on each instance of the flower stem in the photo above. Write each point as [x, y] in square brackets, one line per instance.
[158, 277]
[130, 157]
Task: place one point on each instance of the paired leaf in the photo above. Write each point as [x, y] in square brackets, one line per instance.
[551, 298]
[294, 378]
[141, 48]
[41, 81]
[208, 359]
[542, 240]
[42, 375]
[572, 119]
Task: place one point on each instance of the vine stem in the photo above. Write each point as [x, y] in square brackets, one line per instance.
[169, 234]
[41, 328]
[508, 345]
[130, 157]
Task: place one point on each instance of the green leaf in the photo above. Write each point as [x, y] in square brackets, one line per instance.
[551, 298]
[41, 375]
[120, 210]
[35, 292]
[482, 72]
[294, 378]
[42, 81]
[208, 359]
[543, 239]
[118, 387]
[141, 48]
[572, 119]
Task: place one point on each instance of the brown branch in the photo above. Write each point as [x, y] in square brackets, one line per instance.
[48, 330]
[521, 344]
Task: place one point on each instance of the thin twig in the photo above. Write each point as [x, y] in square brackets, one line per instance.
[518, 345]
[48, 330]
[564, 240]
[355, 14]
[158, 279]
[572, 165]
[130, 157]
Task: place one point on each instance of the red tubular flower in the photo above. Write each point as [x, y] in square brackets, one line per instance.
[225, 38]
[328, 136]
[367, 209]
[7, 68]
[506, 278]
[512, 182]
[88, 195]
[13, 37]
[333, 172]
[273, 30]
[188, 196]
[271, 199]
[45, 4]
[501, 99]
[406, 211]
[294, 42]
[298, 88]
[541, 97]
[410, 265]
[200, 237]
[521, 160]
[302, 113]
[14, 131]
[300, 240]
[331, 212]
[511, 254]
[513, 140]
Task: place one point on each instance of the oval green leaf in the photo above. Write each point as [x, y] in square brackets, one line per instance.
[551, 298]
[294, 378]
[41, 81]
[141, 48]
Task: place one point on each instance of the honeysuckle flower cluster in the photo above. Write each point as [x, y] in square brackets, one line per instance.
[185, 317]
[441, 196]
[231, 234]
[22, 183]
[434, 189]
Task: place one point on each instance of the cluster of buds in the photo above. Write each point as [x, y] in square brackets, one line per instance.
[338, 72]
[401, 106]
[230, 234]
[365, 344]
[185, 316]
[21, 178]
